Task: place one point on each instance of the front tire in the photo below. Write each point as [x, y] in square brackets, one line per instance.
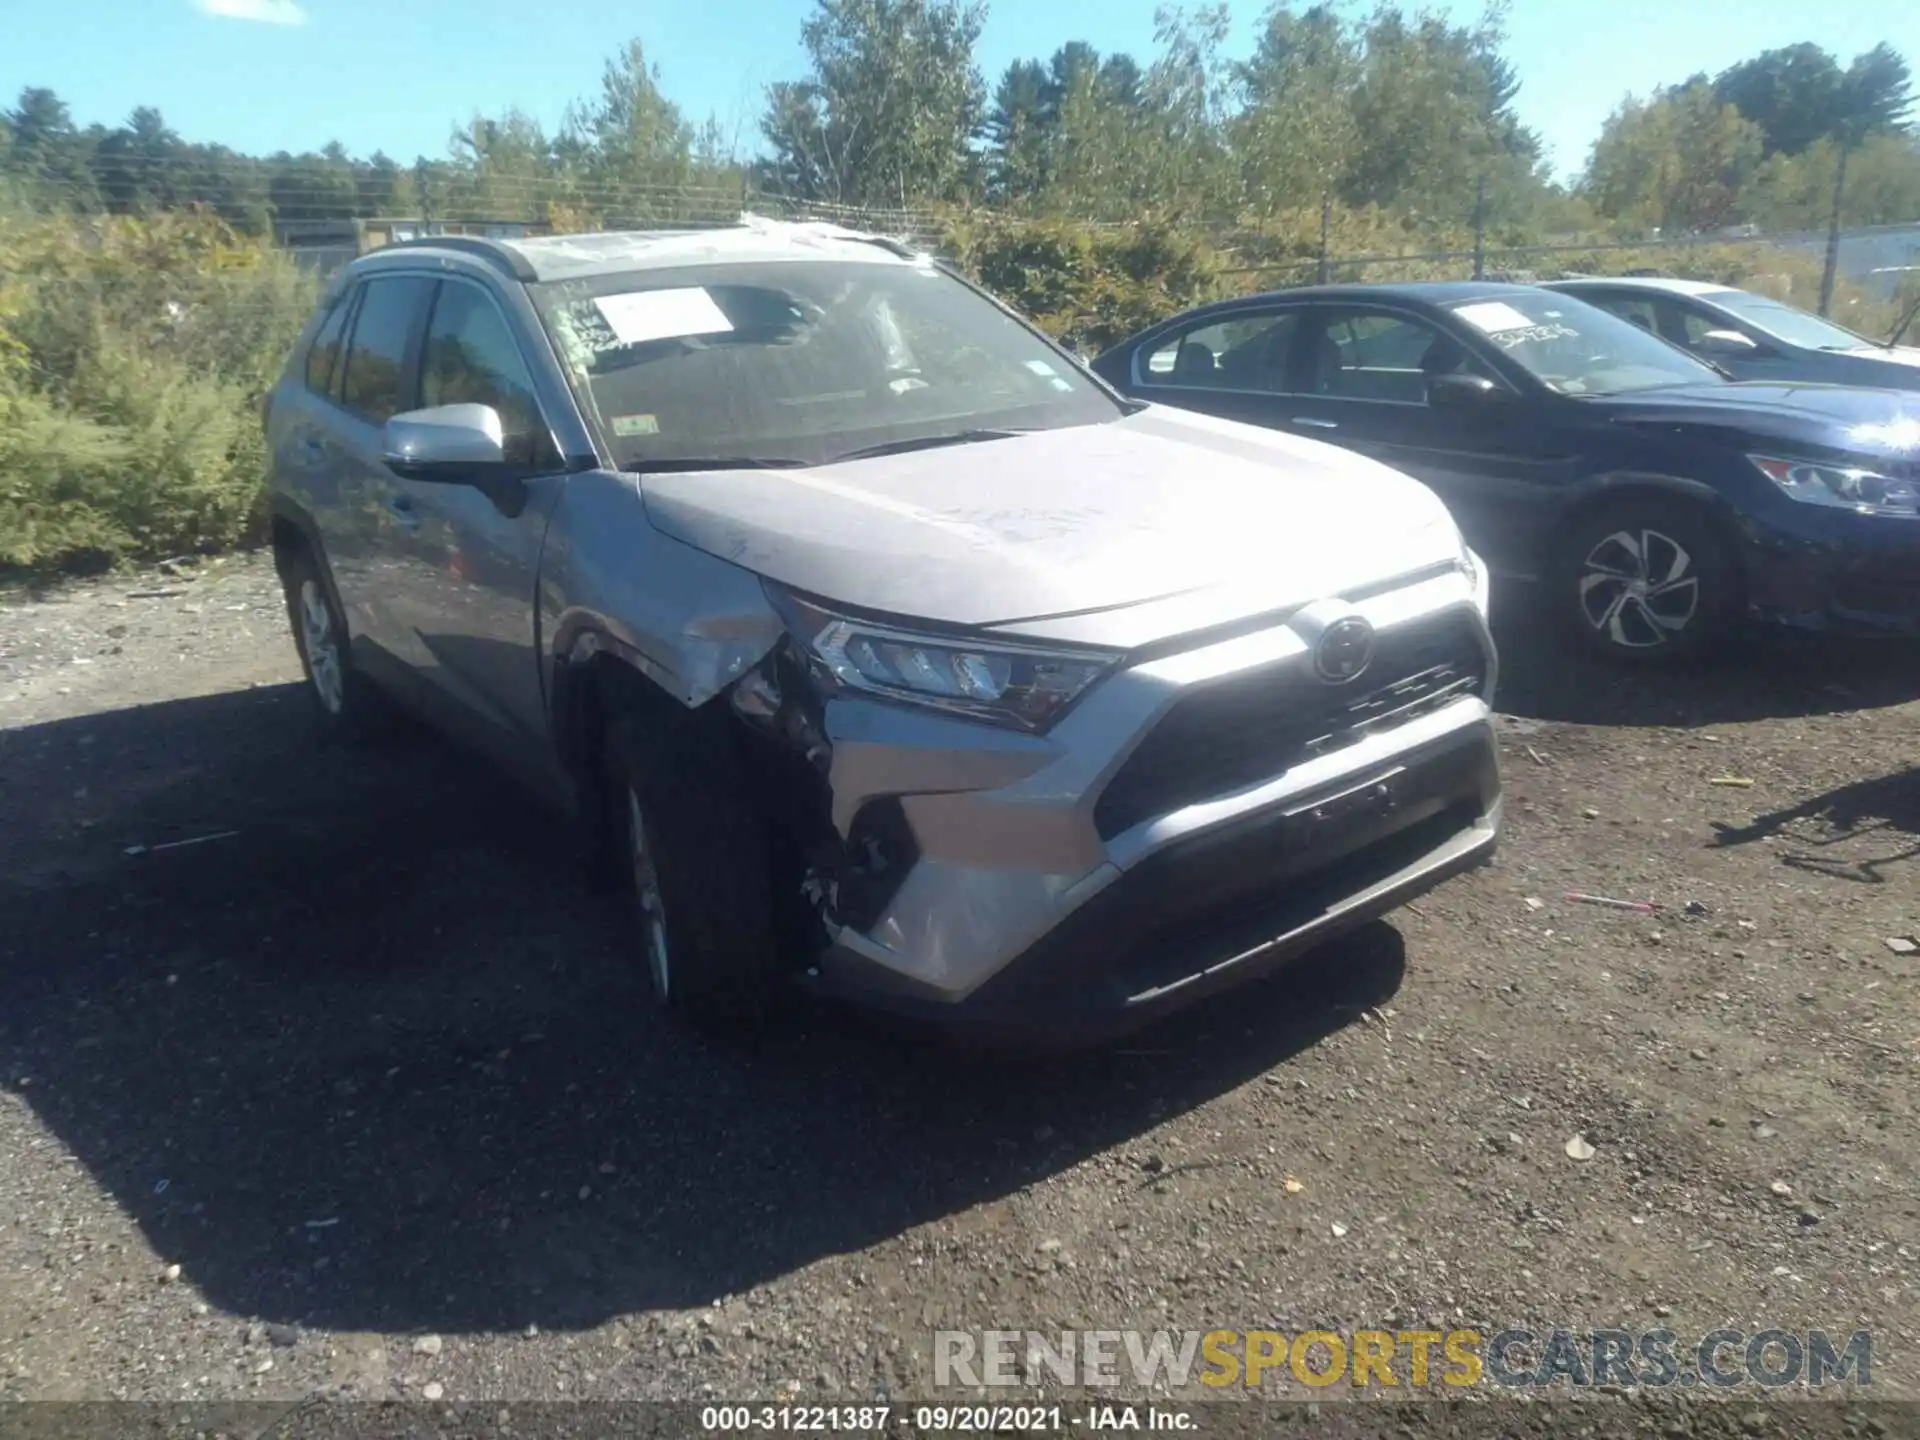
[697, 864]
[1647, 580]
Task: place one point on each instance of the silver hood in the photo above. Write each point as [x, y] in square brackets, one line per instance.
[1025, 532]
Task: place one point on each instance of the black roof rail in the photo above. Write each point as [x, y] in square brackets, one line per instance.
[501, 256]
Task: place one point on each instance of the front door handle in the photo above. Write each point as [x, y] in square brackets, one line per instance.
[1314, 423]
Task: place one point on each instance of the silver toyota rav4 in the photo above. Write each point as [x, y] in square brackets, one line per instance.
[875, 645]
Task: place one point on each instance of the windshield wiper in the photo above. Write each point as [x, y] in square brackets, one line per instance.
[704, 462]
[927, 442]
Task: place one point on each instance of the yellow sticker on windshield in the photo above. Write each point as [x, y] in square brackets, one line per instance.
[627, 426]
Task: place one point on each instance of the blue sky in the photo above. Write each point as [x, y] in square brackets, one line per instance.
[397, 74]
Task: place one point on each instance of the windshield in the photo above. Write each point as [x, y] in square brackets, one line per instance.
[1579, 349]
[1783, 322]
[803, 362]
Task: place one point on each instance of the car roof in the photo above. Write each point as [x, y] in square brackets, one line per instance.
[536, 259]
[1646, 282]
[1430, 293]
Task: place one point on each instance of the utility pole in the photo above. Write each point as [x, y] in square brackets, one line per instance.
[421, 177]
[1480, 227]
[1326, 219]
[1832, 269]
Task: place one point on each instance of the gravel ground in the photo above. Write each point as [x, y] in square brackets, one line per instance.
[362, 1098]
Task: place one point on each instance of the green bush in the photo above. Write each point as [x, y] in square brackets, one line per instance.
[57, 472]
[133, 355]
[1088, 285]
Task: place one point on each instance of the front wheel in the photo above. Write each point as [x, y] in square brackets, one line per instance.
[697, 859]
[1645, 579]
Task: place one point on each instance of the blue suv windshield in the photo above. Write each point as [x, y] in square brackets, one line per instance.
[802, 362]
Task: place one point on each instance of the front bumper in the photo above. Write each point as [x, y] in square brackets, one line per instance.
[1034, 911]
[1826, 569]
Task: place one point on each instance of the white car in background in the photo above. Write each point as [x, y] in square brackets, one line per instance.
[1750, 336]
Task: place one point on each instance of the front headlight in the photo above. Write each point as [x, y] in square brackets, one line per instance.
[1023, 686]
[1475, 569]
[1820, 483]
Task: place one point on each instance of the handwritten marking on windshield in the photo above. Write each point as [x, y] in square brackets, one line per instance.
[1507, 339]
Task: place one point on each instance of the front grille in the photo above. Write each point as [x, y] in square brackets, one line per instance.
[1251, 727]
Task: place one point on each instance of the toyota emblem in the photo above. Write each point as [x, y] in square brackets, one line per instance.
[1344, 650]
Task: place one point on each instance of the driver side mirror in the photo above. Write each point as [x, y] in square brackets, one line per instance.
[1465, 392]
[1727, 344]
[448, 444]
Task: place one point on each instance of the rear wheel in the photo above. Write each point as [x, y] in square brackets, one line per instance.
[697, 864]
[1647, 579]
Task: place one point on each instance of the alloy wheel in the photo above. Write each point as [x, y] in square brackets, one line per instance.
[322, 648]
[1638, 589]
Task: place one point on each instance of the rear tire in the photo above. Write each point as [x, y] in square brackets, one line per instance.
[697, 863]
[347, 706]
[1646, 579]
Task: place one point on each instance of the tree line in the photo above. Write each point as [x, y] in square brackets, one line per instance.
[1400, 110]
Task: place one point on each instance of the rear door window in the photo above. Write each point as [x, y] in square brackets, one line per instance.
[323, 358]
[1247, 352]
[1642, 310]
[1375, 355]
[375, 386]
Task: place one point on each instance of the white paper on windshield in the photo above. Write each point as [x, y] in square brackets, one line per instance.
[1493, 316]
[645, 315]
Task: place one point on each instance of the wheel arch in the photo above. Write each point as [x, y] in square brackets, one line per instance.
[1601, 491]
[289, 526]
[592, 669]
[291, 531]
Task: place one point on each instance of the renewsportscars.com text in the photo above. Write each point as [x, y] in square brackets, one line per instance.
[1417, 1359]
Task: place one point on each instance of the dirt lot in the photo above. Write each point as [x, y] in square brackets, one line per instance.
[364, 1098]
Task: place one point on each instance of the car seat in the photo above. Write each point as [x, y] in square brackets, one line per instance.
[1327, 364]
[1445, 356]
[1192, 363]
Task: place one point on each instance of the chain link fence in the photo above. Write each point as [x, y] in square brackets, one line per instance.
[1877, 268]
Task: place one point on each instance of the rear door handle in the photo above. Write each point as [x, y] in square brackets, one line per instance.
[1314, 423]
[310, 447]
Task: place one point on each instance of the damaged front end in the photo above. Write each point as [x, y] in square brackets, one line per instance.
[871, 735]
[844, 880]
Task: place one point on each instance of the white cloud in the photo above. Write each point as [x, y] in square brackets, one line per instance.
[262, 12]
